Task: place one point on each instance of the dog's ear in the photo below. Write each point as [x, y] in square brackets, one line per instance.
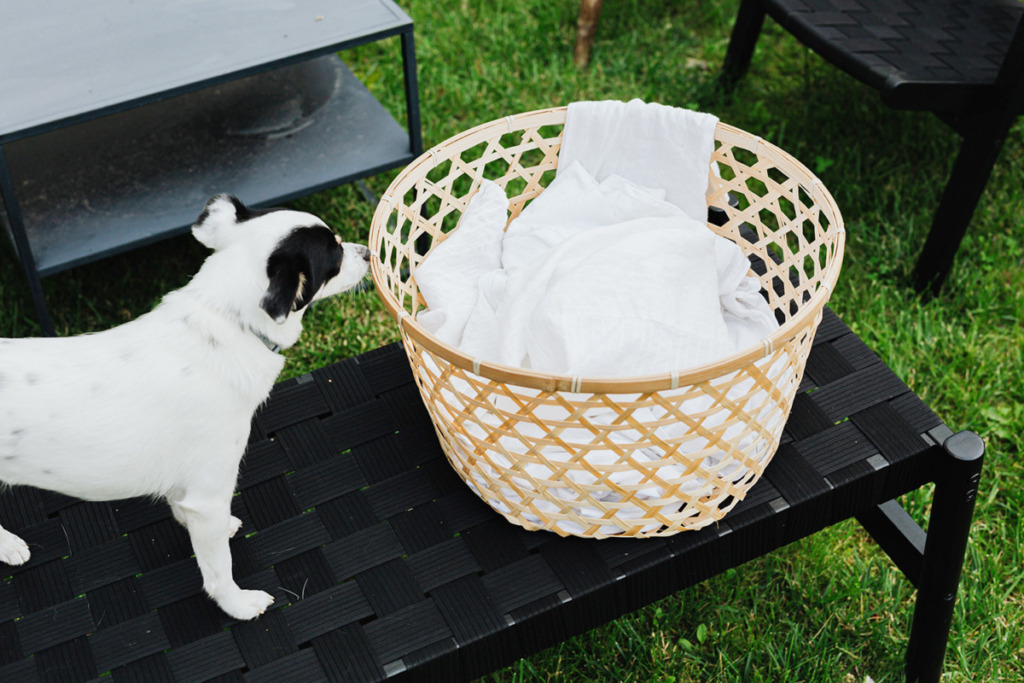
[217, 225]
[286, 283]
[297, 268]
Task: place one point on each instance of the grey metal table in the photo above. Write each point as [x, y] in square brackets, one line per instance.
[119, 119]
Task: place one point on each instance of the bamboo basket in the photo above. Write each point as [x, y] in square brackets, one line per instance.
[670, 452]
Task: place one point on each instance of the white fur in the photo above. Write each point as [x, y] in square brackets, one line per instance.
[162, 405]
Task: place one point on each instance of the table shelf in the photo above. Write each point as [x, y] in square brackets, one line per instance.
[122, 120]
[116, 183]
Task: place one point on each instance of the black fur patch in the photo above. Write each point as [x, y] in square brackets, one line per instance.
[302, 262]
[242, 212]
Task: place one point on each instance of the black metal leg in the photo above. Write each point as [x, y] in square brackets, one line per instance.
[412, 94]
[21, 245]
[412, 104]
[956, 489]
[745, 31]
[970, 174]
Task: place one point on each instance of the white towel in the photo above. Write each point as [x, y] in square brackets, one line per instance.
[650, 144]
[605, 279]
[611, 271]
[449, 278]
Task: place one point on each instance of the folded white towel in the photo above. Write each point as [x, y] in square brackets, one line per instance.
[650, 144]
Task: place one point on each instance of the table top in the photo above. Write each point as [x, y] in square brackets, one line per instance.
[64, 60]
[384, 565]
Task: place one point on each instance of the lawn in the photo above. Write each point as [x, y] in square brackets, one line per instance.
[830, 608]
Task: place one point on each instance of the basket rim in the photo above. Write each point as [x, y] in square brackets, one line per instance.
[524, 377]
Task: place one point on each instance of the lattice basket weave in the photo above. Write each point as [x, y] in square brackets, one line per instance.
[602, 457]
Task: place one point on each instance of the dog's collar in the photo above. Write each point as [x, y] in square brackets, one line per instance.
[267, 341]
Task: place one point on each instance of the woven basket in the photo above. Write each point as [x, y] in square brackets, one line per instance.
[670, 452]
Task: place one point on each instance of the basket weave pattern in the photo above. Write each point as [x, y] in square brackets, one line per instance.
[601, 457]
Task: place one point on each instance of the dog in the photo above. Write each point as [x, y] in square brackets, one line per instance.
[162, 406]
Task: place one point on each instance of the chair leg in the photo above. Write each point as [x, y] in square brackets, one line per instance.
[586, 28]
[956, 488]
[971, 170]
[745, 32]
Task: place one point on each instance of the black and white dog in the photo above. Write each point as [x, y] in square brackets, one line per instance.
[161, 406]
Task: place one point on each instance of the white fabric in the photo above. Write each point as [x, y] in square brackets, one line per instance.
[591, 279]
[449, 279]
[650, 144]
[608, 280]
[611, 271]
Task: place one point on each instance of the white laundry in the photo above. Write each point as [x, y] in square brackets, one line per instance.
[611, 271]
[591, 279]
[649, 144]
[449, 278]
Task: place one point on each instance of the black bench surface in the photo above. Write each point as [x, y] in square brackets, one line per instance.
[385, 566]
[918, 54]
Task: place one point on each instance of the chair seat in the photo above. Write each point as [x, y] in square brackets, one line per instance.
[938, 56]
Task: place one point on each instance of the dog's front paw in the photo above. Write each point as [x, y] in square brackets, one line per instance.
[245, 605]
[13, 550]
[233, 526]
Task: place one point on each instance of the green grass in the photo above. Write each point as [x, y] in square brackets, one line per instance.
[830, 608]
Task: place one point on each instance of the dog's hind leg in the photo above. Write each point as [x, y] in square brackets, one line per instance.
[179, 514]
[209, 524]
[13, 550]
[234, 523]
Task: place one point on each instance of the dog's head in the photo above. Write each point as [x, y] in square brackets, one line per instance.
[301, 259]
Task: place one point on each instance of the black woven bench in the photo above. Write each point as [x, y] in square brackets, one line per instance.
[385, 566]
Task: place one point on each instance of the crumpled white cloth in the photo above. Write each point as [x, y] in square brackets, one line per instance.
[611, 271]
[591, 279]
[449, 279]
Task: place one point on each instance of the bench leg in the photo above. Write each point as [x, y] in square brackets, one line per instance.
[896, 532]
[956, 488]
[971, 170]
[745, 32]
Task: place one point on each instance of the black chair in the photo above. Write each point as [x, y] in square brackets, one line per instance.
[961, 59]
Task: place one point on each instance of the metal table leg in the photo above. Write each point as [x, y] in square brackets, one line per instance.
[412, 94]
[22, 247]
